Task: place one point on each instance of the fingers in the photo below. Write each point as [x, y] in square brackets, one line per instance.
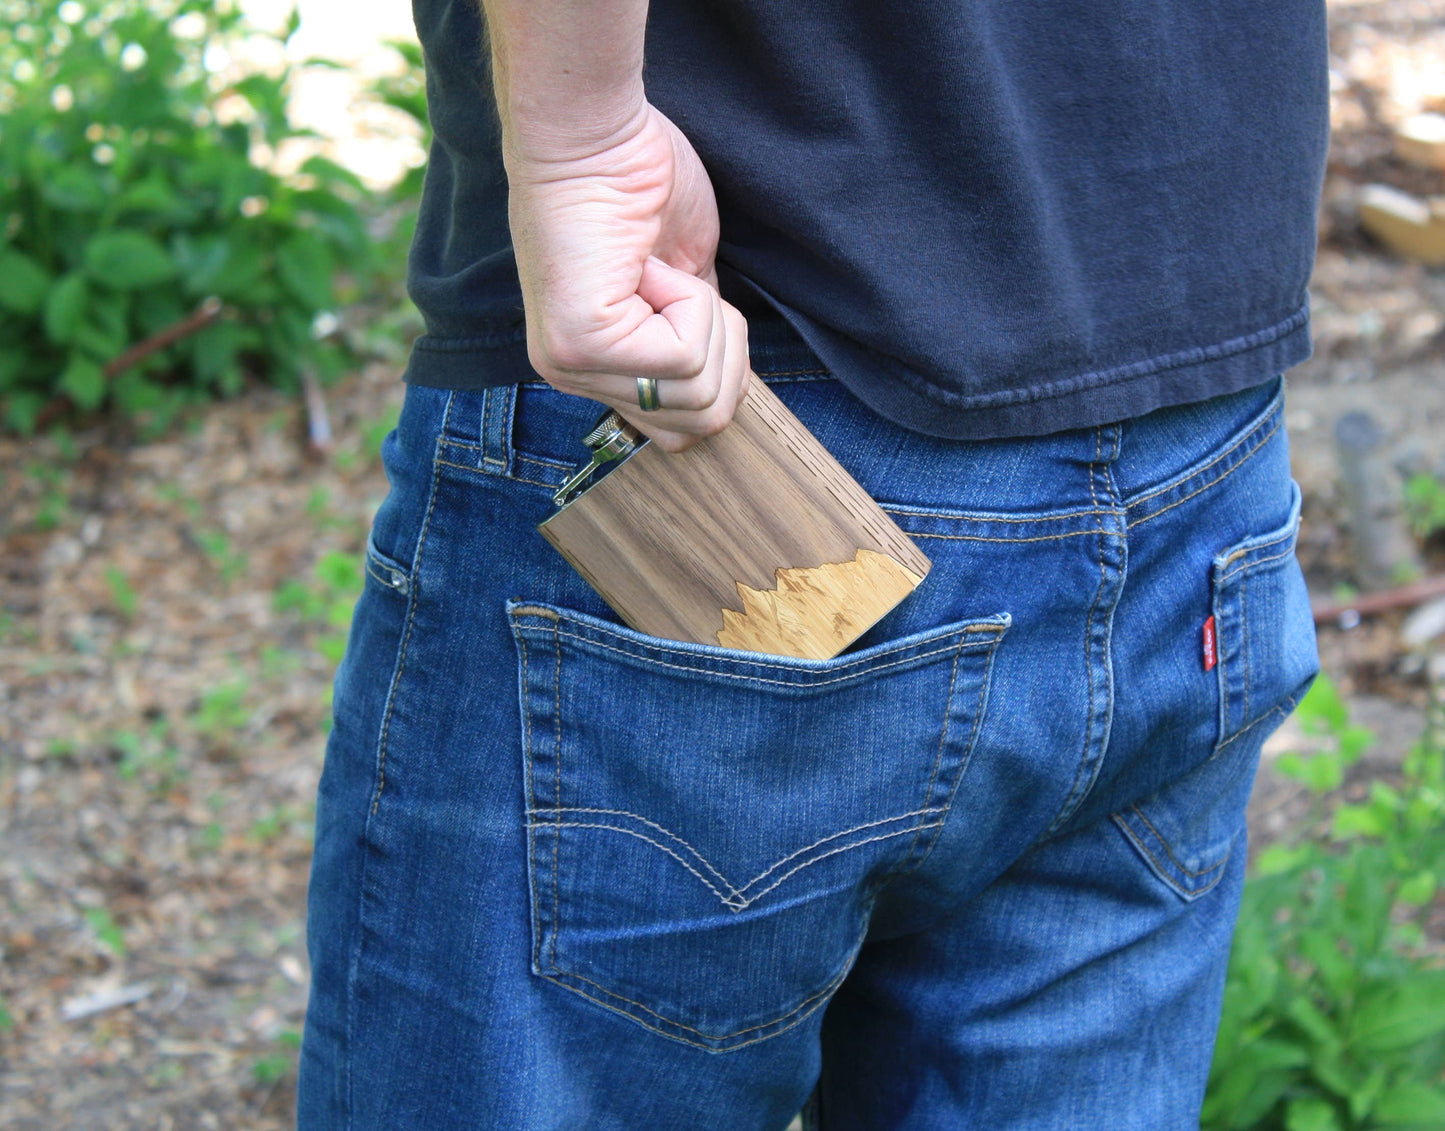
[689, 339]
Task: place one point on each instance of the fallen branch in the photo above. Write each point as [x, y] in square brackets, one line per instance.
[88, 1005]
[1368, 604]
[198, 319]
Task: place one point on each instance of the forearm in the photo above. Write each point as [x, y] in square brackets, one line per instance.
[567, 73]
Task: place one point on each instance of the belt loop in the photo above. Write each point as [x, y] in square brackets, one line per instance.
[498, 406]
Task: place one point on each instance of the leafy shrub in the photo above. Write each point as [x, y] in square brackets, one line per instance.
[1334, 1011]
[128, 195]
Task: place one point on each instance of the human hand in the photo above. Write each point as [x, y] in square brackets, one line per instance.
[615, 241]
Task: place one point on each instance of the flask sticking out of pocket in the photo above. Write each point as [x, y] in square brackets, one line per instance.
[754, 538]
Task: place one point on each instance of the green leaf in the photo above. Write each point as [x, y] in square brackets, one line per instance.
[73, 188]
[1311, 1021]
[1310, 1115]
[241, 275]
[64, 305]
[153, 195]
[83, 381]
[1402, 1015]
[1411, 1104]
[1322, 709]
[22, 407]
[23, 282]
[12, 363]
[1360, 820]
[1419, 889]
[1324, 773]
[1335, 970]
[1354, 741]
[304, 266]
[1280, 858]
[128, 261]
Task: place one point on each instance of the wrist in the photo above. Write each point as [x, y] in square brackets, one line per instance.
[567, 121]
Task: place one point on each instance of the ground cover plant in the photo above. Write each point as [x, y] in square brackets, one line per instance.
[134, 187]
[1334, 1012]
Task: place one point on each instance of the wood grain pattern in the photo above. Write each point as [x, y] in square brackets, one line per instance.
[820, 611]
[676, 542]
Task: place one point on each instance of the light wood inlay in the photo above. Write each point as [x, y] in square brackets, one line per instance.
[816, 613]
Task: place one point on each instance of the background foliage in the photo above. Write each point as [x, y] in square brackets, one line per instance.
[1334, 1011]
[129, 194]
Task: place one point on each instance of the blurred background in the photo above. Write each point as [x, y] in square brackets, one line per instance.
[204, 211]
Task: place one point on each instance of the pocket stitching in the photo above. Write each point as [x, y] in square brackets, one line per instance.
[824, 992]
[736, 893]
[992, 631]
[1220, 478]
[1162, 870]
[565, 978]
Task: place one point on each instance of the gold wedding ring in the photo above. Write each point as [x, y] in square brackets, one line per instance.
[647, 394]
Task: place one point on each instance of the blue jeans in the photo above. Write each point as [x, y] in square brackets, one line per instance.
[979, 871]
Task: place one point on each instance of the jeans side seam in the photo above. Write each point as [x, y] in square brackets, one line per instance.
[527, 765]
[405, 642]
[557, 801]
[353, 972]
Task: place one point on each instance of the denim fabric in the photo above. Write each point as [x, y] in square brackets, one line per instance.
[979, 871]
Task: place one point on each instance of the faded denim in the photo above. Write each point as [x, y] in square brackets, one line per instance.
[979, 871]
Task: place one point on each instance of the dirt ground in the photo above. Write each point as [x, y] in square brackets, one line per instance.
[170, 614]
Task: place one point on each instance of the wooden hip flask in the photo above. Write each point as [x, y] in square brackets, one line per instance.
[754, 538]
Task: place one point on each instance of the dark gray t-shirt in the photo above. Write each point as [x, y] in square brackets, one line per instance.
[986, 217]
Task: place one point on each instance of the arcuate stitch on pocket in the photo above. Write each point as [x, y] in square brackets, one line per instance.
[624, 920]
[736, 898]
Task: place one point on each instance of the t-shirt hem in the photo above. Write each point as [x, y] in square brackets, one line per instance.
[1080, 401]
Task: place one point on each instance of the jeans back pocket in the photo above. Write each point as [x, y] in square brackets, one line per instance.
[1262, 649]
[707, 827]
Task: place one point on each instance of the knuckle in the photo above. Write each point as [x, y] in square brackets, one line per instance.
[695, 360]
[713, 421]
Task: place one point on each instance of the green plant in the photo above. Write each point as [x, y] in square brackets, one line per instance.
[106, 929]
[135, 183]
[122, 592]
[1425, 504]
[228, 561]
[1334, 1010]
[149, 758]
[328, 602]
[7, 1020]
[272, 1067]
[223, 709]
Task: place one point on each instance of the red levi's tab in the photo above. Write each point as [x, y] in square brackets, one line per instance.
[1211, 654]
